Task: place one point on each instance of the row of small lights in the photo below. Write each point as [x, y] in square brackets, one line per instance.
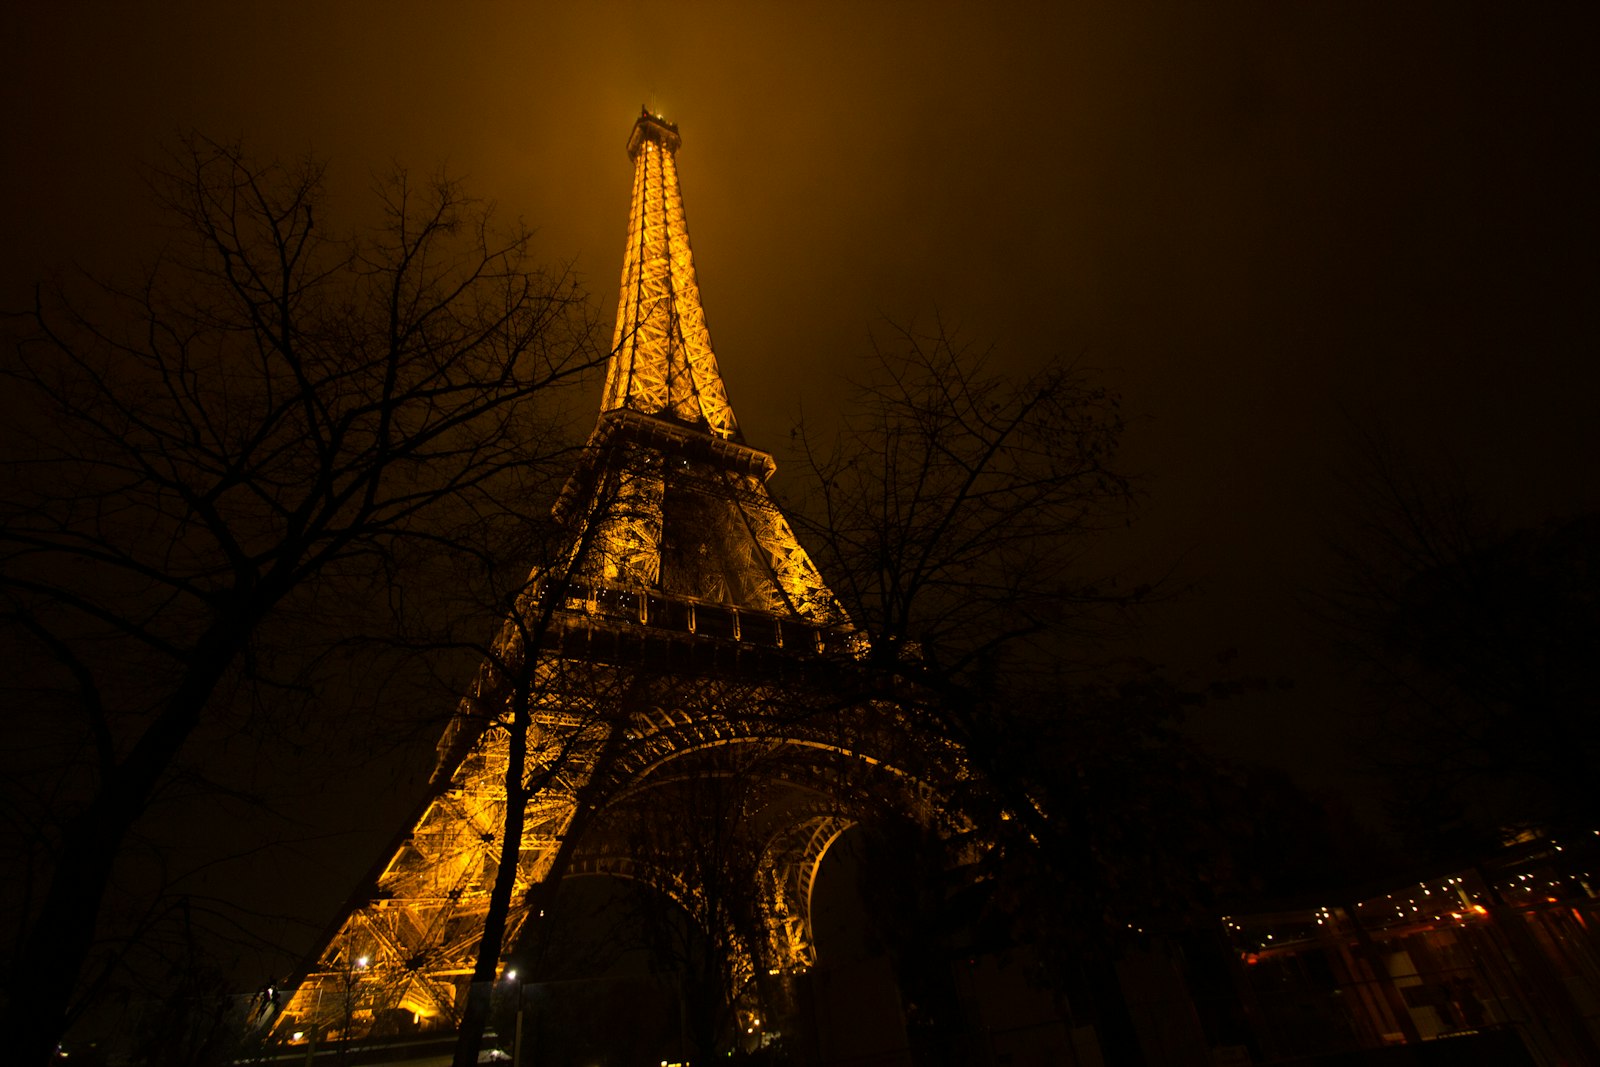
[1527, 884]
[1453, 885]
[1323, 915]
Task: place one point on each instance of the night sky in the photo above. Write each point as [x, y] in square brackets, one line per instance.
[1260, 222]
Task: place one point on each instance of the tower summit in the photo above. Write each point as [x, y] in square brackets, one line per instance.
[674, 501]
[661, 358]
[679, 636]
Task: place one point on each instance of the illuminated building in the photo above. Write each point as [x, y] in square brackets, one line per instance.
[1500, 961]
[681, 634]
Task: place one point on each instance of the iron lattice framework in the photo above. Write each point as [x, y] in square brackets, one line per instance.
[683, 635]
[662, 363]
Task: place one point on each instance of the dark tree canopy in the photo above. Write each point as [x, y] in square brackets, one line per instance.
[956, 513]
[1481, 643]
[952, 509]
[216, 467]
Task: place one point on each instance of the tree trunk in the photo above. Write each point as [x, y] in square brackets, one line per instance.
[480, 997]
[44, 975]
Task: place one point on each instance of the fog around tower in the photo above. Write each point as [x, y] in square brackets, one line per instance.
[1262, 226]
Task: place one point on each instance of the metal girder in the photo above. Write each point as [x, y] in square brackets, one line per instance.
[661, 358]
[684, 613]
[792, 858]
[406, 948]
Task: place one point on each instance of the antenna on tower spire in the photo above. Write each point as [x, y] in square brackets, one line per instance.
[653, 128]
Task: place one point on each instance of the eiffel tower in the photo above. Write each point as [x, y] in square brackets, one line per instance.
[682, 636]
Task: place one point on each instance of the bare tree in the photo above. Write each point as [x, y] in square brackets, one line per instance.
[952, 509]
[531, 741]
[1479, 639]
[575, 743]
[954, 514]
[564, 721]
[216, 468]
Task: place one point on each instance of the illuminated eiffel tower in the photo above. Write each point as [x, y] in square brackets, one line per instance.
[682, 636]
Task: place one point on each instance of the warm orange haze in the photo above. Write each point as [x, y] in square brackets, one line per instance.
[1089, 558]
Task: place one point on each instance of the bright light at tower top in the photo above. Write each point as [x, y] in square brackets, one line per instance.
[653, 128]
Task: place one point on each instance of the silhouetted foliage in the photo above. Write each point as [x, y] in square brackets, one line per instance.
[952, 510]
[956, 515]
[953, 514]
[216, 469]
[1482, 643]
